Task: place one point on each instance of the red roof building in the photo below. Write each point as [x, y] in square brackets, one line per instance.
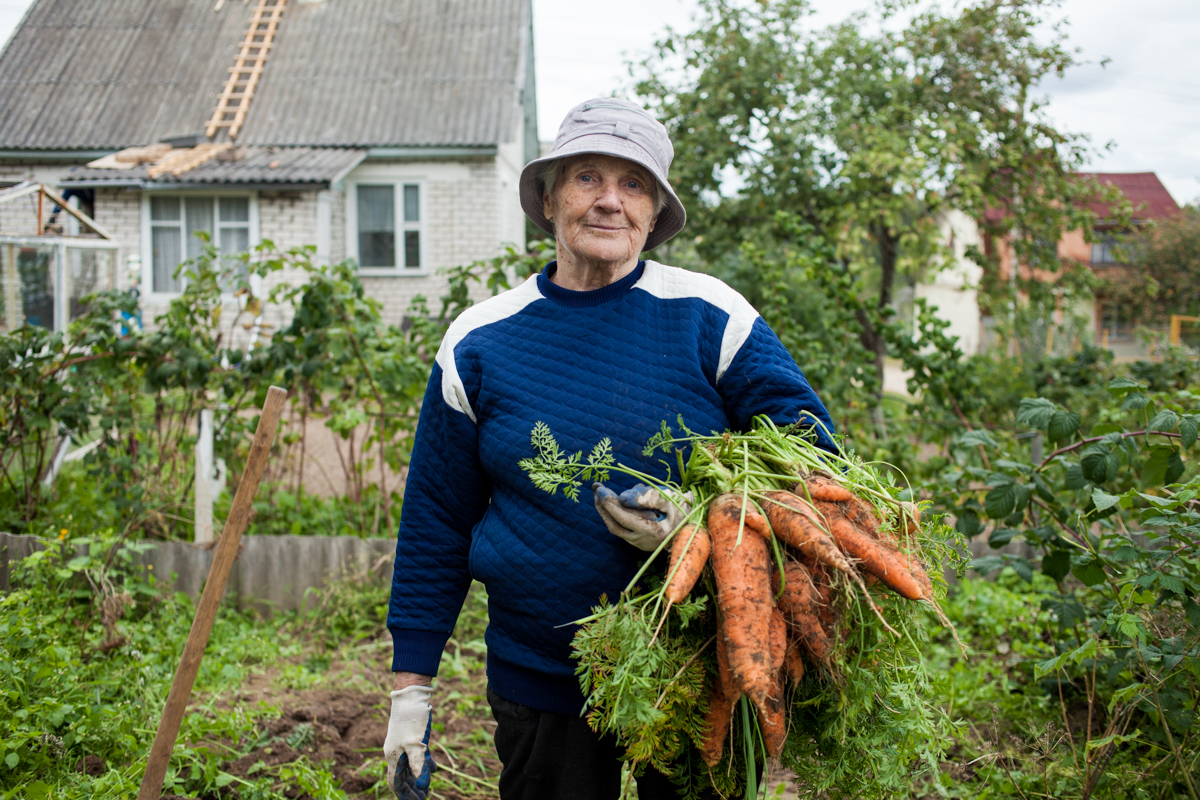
[1150, 198]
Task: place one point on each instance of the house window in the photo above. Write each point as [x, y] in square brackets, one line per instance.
[1116, 323]
[388, 222]
[1105, 250]
[174, 222]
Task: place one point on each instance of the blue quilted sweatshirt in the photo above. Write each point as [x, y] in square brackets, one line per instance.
[616, 362]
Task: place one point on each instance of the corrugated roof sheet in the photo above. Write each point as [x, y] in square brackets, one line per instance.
[242, 165]
[1150, 198]
[100, 74]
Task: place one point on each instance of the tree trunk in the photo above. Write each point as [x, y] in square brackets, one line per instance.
[871, 337]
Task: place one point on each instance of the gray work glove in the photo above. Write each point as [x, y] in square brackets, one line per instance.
[643, 515]
[406, 748]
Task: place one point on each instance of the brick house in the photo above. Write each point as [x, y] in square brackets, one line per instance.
[390, 132]
[1151, 201]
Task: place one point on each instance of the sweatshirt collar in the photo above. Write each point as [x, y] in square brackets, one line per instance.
[594, 297]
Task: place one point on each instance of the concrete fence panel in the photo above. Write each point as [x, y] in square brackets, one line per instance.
[270, 573]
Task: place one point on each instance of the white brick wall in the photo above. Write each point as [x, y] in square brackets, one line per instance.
[465, 221]
[119, 211]
[471, 209]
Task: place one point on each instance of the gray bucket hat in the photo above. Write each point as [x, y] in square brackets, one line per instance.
[616, 128]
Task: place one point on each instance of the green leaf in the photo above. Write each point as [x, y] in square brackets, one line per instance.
[987, 564]
[1189, 426]
[12, 759]
[223, 779]
[1063, 426]
[1164, 466]
[1074, 479]
[1135, 401]
[1090, 573]
[1035, 412]
[1171, 584]
[1103, 500]
[967, 523]
[1056, 564]
[1165, 420]
[1006, 499]
[1099, 465]
[1002, 536]
[1123, 384]
[1022, 567]
[1042, 488]
[977, 438]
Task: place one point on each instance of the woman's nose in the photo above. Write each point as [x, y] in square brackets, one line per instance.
[610, 198]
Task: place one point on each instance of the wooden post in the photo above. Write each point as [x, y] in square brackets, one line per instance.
[210, 600]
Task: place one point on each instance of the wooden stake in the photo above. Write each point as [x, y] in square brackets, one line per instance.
[210, 600]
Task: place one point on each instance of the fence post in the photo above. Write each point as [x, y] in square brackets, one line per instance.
[204, 478]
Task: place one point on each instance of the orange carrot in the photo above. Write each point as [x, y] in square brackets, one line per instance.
[718, 719]
[792, 519]
[793, 662]
[743, 578]
[778, 639]
[689, 554]
[819, 487]
[799, 604]
[876, 559]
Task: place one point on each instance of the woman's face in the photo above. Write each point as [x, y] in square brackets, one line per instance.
[602, 208]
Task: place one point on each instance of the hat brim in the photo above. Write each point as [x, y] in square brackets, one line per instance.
[670, 220]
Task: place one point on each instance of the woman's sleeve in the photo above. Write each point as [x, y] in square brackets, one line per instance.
[763, 378]
[445, 496]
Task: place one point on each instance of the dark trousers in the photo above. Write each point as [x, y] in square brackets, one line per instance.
[558, 757]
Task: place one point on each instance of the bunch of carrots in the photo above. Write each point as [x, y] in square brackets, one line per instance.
[817, 570]
[777, 622]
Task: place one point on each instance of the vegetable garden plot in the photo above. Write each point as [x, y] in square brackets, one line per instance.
[798, 640]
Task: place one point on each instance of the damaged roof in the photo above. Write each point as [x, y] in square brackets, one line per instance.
[291, 166]
[109, 74]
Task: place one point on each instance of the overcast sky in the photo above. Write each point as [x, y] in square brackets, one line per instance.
[1146, 101]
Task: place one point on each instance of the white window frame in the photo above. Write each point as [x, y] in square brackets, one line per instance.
[397, 182]
[147, 285]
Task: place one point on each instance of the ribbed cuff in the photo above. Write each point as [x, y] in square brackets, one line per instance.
[554, 693]
[417, 651]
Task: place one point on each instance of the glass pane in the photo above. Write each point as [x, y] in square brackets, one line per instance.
[164, 208]
[199, 212]
[412, 249]
[167, 256]
[90, 271]
[235, 209]
[35, 271]
[412, 206]
[377, 226]
[234, 240]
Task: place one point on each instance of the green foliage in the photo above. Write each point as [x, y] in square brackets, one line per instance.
[869, 132]
[552, 469]
[1111, 514]
[1163, 272]
[88, 647]
[651, 698]
[139, 393]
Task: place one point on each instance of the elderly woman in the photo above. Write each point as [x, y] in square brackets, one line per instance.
[599, 344]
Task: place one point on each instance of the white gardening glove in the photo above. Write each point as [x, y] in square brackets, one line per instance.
[643, 515]
[406, 748]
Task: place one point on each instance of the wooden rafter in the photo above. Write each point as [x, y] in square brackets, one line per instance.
[234, 100]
